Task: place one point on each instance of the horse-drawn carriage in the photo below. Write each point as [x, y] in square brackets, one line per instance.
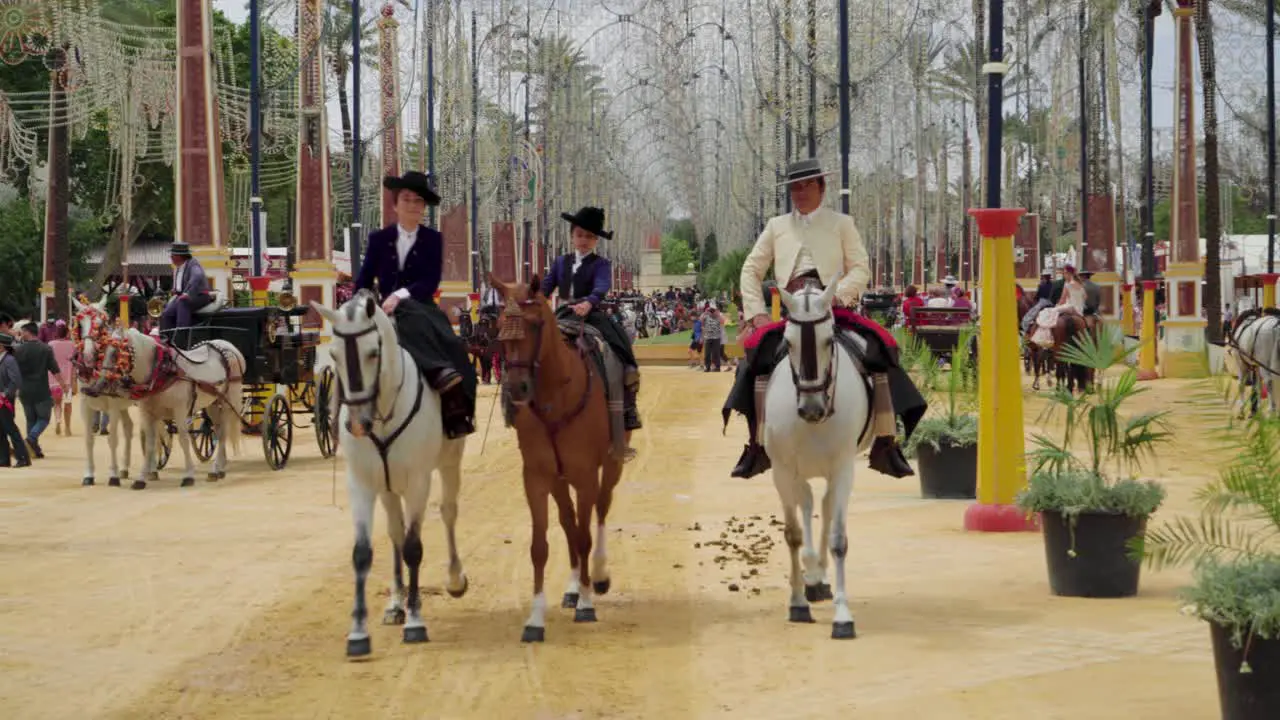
[881, 307]
[939, 328]
[280, 361]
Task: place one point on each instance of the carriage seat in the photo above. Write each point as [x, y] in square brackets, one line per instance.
[219, 302]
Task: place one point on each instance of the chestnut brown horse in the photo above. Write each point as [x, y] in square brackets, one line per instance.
[1070, 326]
[562, 425]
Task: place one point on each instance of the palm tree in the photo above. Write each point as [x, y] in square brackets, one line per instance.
[922, 50]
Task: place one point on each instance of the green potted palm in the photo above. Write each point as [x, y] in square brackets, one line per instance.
[945, 443]
[1233, 547]
[1090, 503]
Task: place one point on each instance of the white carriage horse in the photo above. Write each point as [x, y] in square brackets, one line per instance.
[90, 327]
[1253, 354]
[392, 434]
[174, 385]
[816, 421]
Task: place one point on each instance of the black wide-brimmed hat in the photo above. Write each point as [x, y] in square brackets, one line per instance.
[6, 340]
[422, 184]
[590, 219]
[804, 170]
[180, 249]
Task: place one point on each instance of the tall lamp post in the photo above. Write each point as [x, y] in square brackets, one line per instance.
[357, 236]
[255, 137]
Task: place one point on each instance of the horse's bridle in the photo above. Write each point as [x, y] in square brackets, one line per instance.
[808, 385]
[356, 380]
[512, 327]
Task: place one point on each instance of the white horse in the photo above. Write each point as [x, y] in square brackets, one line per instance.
[1253, 353]
[209, 377]
[816, 421]
[90, 324]
[392, 434]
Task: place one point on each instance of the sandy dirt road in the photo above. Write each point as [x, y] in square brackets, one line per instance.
[232, 600]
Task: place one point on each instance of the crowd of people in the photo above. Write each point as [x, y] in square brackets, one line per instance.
[35, 372]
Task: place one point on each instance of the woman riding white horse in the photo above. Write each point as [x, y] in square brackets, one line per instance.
[391, 432]
[89, 327]
[817, 418]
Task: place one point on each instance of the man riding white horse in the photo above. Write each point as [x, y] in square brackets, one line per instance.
[584, 276]
[407, 261]
[813, 245]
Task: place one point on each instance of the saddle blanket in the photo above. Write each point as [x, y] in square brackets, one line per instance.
[1046, 321]
[845, 318]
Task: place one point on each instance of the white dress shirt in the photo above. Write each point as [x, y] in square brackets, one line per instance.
[577, 261]
[177, 278]
[804, 258]
[404, 243]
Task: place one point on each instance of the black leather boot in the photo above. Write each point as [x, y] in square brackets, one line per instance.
[887, 458]
[754, 459]
[444, 380]
[630, 413]
[458, 418]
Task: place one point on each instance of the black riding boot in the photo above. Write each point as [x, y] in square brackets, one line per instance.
[458, 420]
[886, 454]
[754, 459]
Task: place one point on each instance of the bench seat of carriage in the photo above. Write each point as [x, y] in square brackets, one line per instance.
[939, 328]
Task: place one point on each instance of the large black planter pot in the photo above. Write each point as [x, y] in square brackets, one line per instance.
[950, 472]
[1254, 695]
[1100, 566]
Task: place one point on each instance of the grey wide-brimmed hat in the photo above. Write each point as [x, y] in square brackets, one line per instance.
[804, 170]
[180, 249]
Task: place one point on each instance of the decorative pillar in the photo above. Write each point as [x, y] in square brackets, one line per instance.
[314, 276]
[1269, 289]
[390, 99]
[1185, 353]
[1001, 466]
[455, 283]
[1126, 310]
[201, 212]
[1026, 242]
[1147, 339]
[1100, 255]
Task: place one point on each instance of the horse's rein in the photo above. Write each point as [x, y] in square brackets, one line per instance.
[809, 361]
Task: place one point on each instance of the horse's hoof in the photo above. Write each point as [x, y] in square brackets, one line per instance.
[461, 591]
[800, 614]
[88, 482]
[601, 586]
[112, 482]
[359, 647]
[415, 634]
[138, 485]
[843, 631]
[817, 593]
[393, 616]
[188, 481]
[569, 601]
[533, 634]
[584, 615]
[213, 477]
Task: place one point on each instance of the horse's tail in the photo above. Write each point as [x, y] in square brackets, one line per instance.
[229, 420]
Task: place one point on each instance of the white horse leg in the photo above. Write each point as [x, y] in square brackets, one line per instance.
[816, 588]
[393, 613]
[188, 457]
[788, 493]
[419, 490]
[841, 486]
[451, 483]
[220, 417]
[126, 434]
[86, 417]
[113, 445]
[362, 500]
[147, 438]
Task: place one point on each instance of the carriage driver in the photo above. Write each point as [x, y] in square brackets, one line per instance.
[407, 261]
[587, 277]
[190, 289]
[815, 244]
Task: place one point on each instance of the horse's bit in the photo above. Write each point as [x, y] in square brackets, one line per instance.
[356, 380]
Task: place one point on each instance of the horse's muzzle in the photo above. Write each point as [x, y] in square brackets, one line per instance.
[813, 409]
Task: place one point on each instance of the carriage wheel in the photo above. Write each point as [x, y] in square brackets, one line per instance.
[203, 439]
[277, 431]
[165, 448]
[325, 435]
[304, 395]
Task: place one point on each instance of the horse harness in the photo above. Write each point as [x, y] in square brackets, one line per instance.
[356, 381]
[809, 364]
[512, 328]
[1246, 319]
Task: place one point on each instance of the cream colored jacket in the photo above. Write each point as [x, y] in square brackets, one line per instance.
[834, 245]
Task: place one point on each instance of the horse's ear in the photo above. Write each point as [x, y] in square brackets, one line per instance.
[830, 291]
[787, 299]
[75, 304]
[535, 285]
[324, 311]
[370, 305]
[497, 284]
